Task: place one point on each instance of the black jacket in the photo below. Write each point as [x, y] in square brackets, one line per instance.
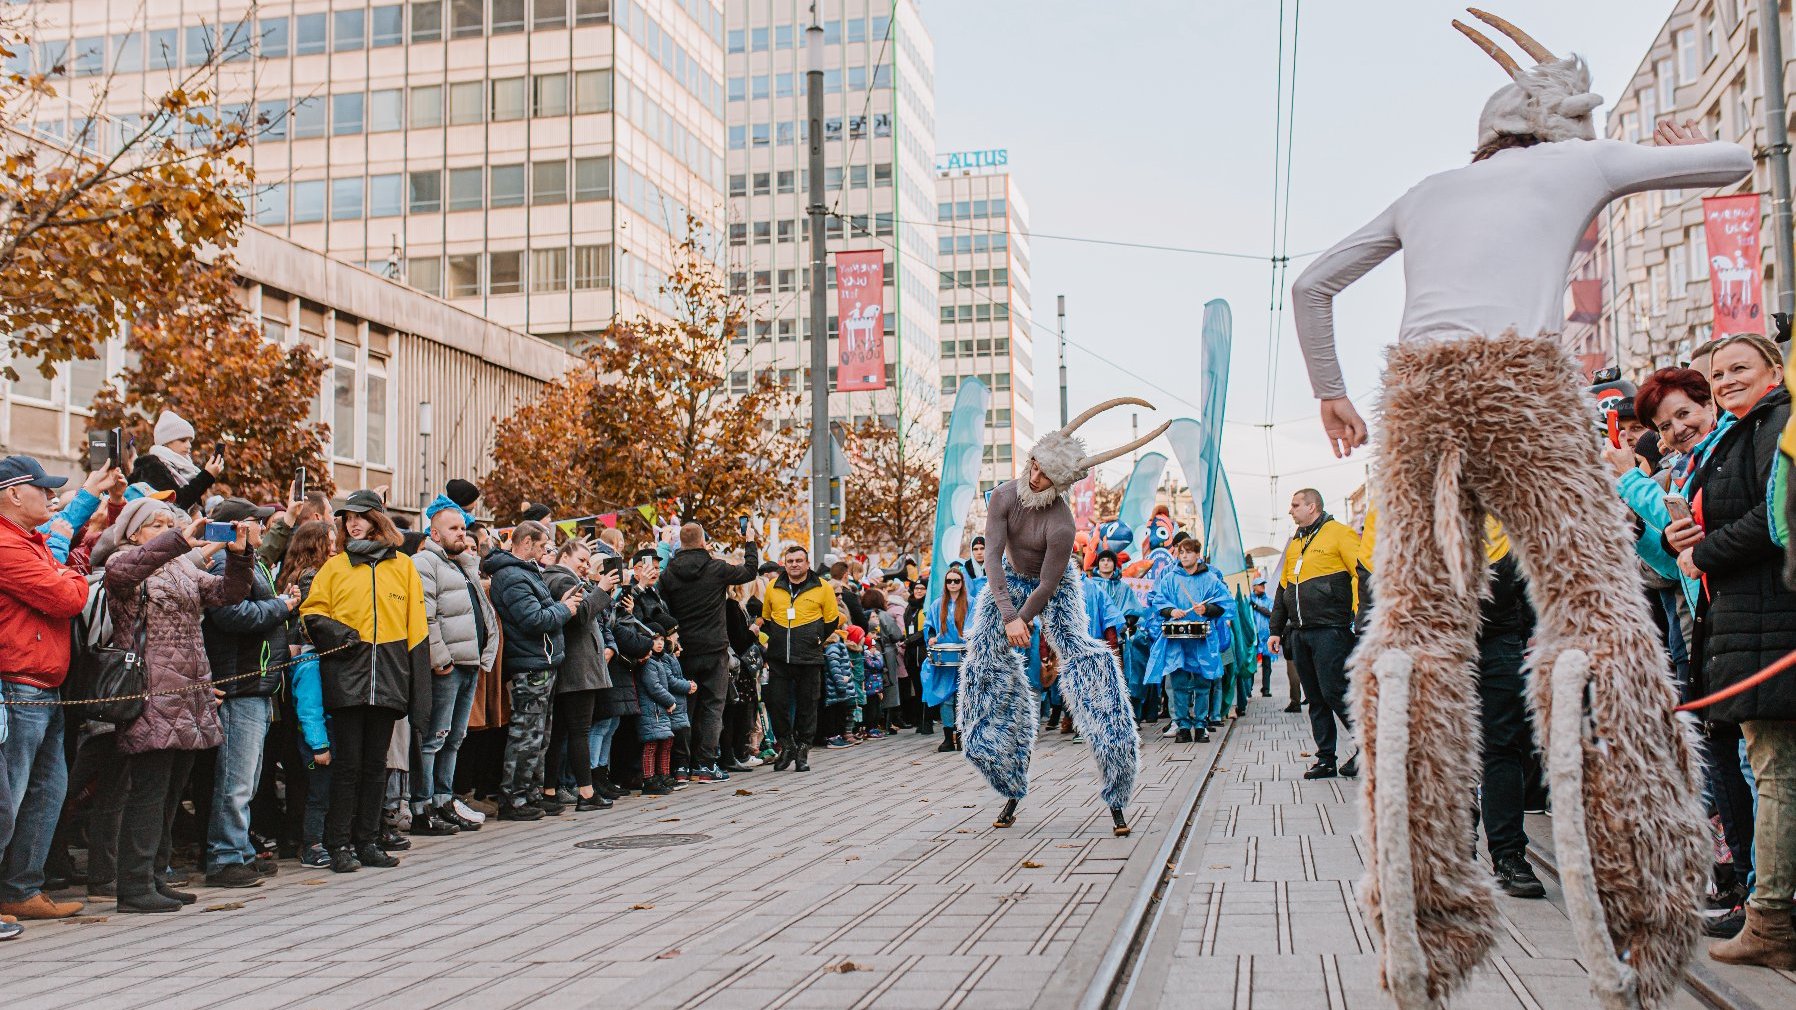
[694, 586]
[247, 636]
[587, 635]
[1748, 619]
[152, 471]
[532, 619]
[634, 643]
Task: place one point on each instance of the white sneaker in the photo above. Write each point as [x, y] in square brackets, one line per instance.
[1172, 729]
[467, 812]
[754, 761]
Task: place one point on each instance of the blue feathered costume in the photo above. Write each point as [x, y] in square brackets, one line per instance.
[1029, 536]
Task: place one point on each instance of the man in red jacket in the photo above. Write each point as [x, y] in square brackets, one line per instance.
[38, 596]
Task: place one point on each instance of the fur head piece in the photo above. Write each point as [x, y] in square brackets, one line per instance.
[1062, 457]
[1552, 101]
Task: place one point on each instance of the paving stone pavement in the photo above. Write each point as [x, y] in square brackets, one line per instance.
[876, 880]
[1261, 914]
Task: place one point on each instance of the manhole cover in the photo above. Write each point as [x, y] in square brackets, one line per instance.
[641, 841]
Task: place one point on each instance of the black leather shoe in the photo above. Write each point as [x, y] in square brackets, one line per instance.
[1350, 767]
[520, 812]
[429, 823]
[784, 761]
[586, 804]
[1320, 771]
[1294, 707]
[184, 897]
[343, 860]
[447, 814]
[392, 841]
[151, 902]
[1516, 877]
[799, 763]
[370, 854]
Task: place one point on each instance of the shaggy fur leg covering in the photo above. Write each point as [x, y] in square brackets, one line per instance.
[1539, 473]
[1424, 894]
[998, 714]
[1094, 689]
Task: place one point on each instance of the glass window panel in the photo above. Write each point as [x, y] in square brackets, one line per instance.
[90, 56]
[758, 40]
[346, 199]
[311, 31]
[271, 204]
[389, 25]
[377, 418]
[592, 91]
[346, 113]
[467, 102]
[507, 186]
[386, 110]
[426, 191]
[351, 30]
[127, 50]
[782, 36]
[548, 182]
[198, 45]
[548, 270]
[592, 12]
[308, 201]
[464, 276]
[592, 178]
[427, 106]
[386, 195]
[165, 47]
[467, 18]
[549, 95]
[308, 117]
[505, 273]
[592, 267]
[508, 17]
[343, 414]
[737, 41]
[426, 274]
[427, 21]
[508, 98]
[548, 14]
[465, 189]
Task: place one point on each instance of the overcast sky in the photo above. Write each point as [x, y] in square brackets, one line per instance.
[1152, 121]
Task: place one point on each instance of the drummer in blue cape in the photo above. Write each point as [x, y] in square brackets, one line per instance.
[945, 624]
[1186, 611]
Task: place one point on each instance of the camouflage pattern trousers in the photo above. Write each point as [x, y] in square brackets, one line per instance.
[527, 736]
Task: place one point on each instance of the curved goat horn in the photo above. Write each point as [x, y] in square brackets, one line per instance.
[1504, 60]
[1073, 425]
[1105, 457]
[1521, 38]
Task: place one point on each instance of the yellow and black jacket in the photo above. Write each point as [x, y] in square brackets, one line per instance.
[797, 619]
[374, 604]
[1318, 585]
[1506, 609]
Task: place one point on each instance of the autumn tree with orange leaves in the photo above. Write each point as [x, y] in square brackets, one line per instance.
[890, 493]
[648, 418]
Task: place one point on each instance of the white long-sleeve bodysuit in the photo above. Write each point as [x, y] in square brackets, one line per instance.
[1487, 247]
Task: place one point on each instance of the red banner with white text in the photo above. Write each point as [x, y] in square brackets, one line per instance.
[860, 315]
[1732, 226]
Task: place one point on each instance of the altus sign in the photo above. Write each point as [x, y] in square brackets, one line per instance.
[959, 161]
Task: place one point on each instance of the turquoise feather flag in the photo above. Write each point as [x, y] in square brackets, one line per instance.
[960, 476]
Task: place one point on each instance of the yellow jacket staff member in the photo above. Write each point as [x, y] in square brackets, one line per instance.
[799, 612]
[1318, 586]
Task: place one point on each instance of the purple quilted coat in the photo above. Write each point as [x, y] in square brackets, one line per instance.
[175, 646]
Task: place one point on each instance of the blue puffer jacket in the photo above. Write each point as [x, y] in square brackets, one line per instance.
[838, 674]
[531, 617]
[659, 687]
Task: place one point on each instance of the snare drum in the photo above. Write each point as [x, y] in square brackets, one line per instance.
[947, 656]
[1186, 630]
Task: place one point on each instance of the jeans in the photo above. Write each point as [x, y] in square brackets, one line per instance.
[712, 675]
[1771, 745]
[792, 700]
[239, 769]
[950, 708]
[1320, 656]
[37, 779]
[434, 748]
[1265, 675]
[360, 735]
[527, 735]
[1503, 712]
[1190, 698]
[146, 833]
[318, 797]
[598, 740]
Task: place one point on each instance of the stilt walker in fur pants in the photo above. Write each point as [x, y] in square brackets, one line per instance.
[1029, 541]
[1488, 248]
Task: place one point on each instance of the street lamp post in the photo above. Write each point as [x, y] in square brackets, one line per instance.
[1777, 153]
[424, 413]
[820, 437]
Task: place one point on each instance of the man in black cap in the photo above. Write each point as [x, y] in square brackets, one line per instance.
[1618, 395]
[694, 587]
[38, 597]
[243, 640]
[976, 564]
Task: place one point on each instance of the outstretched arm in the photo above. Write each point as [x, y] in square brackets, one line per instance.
[1313, 297]
[1681, 158]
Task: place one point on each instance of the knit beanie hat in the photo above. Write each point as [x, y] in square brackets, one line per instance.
[171, 426]
[443, 503]
[463, 493]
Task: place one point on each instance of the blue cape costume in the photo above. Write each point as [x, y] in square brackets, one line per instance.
[1181, 590]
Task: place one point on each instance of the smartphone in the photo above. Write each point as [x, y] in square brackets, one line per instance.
[299, 484]
[614, 566]
[1678, 507]
[1615, 428]
[742, 526]
[103, 449]
[221, 533]
[217, 450]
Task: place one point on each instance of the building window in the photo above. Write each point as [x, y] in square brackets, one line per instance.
[464, 276]
[351, 31]
[346, 114]
[549, 95]
[506, 186]
[467, 102]
[127, 52]
[310, 31]
[739, 185]
[165, 48]
[346, 199]
[592, 91]
[592, 178]
[465, 189]
[786, 181]
[592, 12]
[386, 110]
[377, 411]
[548, 14]
[273, 119]
[427, 21]
[427, 106]
[1684, 41]
[386, 195]
[426, 191]
[308, 201]
[426, 274]
[271, 204]
[508, 99]
[508, 17]
[548, 269]
[467, 18]
[548, 182]
[343, 402]
[389, 25]
[505, 273]
[308, 117]
[592, 267]
[200, 44]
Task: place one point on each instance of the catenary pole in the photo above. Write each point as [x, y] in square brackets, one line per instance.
[1777, 153]
[820, 436]
[1060, 304]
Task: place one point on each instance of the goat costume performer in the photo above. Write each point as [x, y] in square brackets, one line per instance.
[1029, 544]
[1488, 248]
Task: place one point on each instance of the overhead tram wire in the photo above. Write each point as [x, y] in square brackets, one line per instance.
[866, 105]
[1284, 141]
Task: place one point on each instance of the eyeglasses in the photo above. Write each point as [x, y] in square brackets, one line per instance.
[951, 582]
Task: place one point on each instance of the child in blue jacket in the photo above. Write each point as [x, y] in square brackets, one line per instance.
[661, 693]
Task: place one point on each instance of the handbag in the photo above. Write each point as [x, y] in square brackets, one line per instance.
[106, 672]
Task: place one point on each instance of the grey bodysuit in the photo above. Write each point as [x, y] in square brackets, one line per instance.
[1039, 543]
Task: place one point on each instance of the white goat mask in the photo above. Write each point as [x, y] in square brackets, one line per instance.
[1062, 457]
[1552, 100]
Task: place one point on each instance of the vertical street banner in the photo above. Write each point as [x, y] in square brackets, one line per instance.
[960, 476]
[860, 315]
[1732, 226]
[1083, 497]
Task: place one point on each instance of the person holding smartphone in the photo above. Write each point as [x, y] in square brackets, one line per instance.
[170, 466]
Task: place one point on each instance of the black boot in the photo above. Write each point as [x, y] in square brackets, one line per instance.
[1516, 878]
[374, 854]
[799, 764]
[602, 784]
[786, 753]
[947, 740]
[1007, 816]
[1120, 823]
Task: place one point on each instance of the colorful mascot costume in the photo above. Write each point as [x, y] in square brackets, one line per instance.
[1488, 247]
[1029, 543]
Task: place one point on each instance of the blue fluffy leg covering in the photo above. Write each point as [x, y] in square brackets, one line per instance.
[1095, 691]
[998, 715]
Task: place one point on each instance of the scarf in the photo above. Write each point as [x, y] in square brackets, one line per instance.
[1685, 468]
[181, 467]
[368, 552]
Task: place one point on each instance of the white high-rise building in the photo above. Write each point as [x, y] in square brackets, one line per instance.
[879, 134]
[530, 160]
[982, 228]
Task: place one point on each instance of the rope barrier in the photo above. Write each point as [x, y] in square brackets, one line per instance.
[196, 686]
[1742, 687]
